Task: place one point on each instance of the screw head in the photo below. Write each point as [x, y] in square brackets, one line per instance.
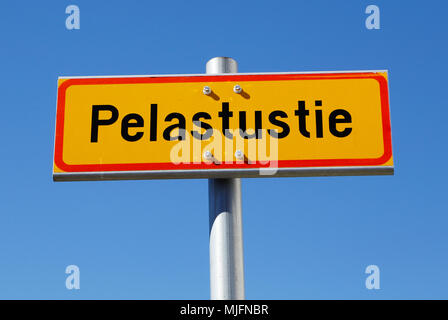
[208, 155]
[206, 90]
[237, 89]
[239, 155]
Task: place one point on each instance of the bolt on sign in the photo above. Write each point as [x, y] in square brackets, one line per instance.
[232, 125]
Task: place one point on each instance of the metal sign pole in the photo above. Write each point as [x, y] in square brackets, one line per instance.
[226, 232]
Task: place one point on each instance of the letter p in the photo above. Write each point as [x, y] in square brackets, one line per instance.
[96, 122]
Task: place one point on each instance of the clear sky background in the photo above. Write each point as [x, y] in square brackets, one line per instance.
[304, 238]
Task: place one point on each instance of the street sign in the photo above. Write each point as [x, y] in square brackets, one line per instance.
[229, 125]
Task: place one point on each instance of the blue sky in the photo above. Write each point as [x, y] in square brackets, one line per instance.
[304, 238]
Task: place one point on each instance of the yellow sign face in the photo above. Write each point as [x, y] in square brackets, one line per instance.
[237, 125]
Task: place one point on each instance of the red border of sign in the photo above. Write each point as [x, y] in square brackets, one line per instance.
[387, 141]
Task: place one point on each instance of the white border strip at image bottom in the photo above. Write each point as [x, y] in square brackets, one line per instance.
[225, 173]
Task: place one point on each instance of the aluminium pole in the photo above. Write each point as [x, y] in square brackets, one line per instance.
[226, 232]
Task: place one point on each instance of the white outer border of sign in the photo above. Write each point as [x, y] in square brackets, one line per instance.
[222, 173]
[225, 173]
[220, 74]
